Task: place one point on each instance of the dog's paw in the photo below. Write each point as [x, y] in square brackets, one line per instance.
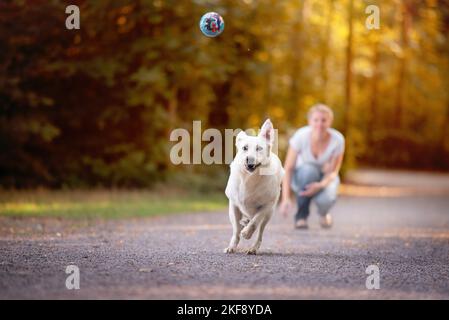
[247, 232]
[229, 250]
[244, 222]
[251, 251]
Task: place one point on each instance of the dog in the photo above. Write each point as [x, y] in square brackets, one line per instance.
[253, 187]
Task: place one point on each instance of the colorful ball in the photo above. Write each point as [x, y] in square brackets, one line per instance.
[212, 24]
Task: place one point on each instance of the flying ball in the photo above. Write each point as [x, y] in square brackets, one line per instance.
[212, 24]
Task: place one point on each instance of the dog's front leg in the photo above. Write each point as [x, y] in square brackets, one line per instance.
[249, 229]
[265, 217]
[234, 216]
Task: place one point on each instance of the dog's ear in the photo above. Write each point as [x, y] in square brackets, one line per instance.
[240, 137]
[267, 132]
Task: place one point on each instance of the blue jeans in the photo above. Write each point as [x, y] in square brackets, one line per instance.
[324, 199]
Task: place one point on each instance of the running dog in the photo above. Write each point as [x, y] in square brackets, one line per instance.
[253, 187]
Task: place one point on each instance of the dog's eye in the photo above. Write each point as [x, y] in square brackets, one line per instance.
[245, 148]
[259, 148]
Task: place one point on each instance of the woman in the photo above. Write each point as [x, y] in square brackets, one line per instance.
[313, 160]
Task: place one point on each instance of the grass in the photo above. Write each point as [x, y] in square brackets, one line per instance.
[105, 203]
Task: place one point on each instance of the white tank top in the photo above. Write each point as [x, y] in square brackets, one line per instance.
[301, 142]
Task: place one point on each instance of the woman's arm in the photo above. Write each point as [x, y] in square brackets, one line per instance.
[334, 169]
[289, 166]
[314, 187]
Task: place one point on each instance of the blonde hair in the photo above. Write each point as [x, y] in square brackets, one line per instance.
[319, 107]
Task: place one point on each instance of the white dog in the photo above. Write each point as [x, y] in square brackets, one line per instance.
[253, 187]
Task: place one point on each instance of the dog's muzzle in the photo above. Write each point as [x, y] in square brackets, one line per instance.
[251, 165]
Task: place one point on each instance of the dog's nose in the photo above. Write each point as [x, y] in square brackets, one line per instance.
[250, 162]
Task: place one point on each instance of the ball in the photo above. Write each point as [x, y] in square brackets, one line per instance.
[211, 24]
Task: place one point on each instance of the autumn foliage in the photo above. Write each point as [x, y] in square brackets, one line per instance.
[95, 106]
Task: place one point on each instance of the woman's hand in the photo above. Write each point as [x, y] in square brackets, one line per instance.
[285, 207]
[311, 189]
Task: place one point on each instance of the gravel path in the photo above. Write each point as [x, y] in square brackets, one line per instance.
[180, 256]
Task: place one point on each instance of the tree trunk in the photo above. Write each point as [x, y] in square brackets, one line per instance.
[349, 53]
[325, 52]
[297, 57]
[374, 92]
[444, 129]
[402, 65]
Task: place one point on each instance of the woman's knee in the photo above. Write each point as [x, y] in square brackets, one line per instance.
[307, 173]
[325, 201]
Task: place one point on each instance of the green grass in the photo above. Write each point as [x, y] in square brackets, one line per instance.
[105, 203]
